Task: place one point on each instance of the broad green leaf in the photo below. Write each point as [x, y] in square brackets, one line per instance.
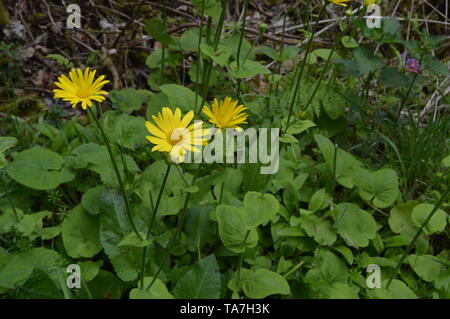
[393, 78]
[349, 42]
[157, 291]
[262, 283]
[233, 229]
[428, 267]
[397, 290]
[354, 225]
[259, 208]
[37, 168]
[220, 56]
[156, 28]
[114, 226]
[31, 224]
[199, 228]
[129, 100]
[80, 234]
[8, 219]
[104, 286]
[346, 164]
[341, 291]
[212, 7]
[134, 241]
[125, 130]
[180, 96]
[400, 219]
[329, 269]
[247, 70]
[300, 126]
[6, 142]
[201, 282]
[91, 199]
[319, 229]
[379, 188]
[89, 269]
[320, 200]
[436, 224]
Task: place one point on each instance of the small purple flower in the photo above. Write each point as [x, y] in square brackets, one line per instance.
[413, 65]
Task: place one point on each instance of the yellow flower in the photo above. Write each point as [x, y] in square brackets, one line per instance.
[227, 114]
[340, 2]
[175, 135]
[81, 88]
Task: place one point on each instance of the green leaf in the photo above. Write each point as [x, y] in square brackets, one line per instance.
[436, 224]
[259, 208]
[89, 269]
[400, 219]
[156, 29]
[319, 200]
[349, 42]
[157, 291]
[261, 283]
[363, 62]
[31, 224]
[8, 219]
[354, 225]
[428, 267]
[212, 7]
[37, 168]
[199, 228]
[91, 199]
[125, 130]
[380, 187]
[329, 270]
[319, 229]
[134, 241]
[220, 56]
[114, 226]
[346, 164]
[80, 234]
[393, 78]
[247, 70]
[7, 142]
[180, 96]
[397, 290]
[233, 228]
[129, 100]
[300, 126]
[201, 282]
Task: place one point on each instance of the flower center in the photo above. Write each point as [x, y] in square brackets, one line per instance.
[83, 93]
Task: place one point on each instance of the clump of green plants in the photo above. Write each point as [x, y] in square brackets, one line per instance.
[362, 173]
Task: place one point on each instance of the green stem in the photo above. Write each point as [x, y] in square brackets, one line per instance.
[116, 170]
[416, 237]
[163, 57]
[241, 39]
[199, 57]
[208, 66]
[407, 94]
[154, 213]
[302, 67]
[175, 235]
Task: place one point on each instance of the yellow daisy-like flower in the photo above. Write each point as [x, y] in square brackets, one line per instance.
[81, 88]
[175, 135]
[226, 114]
[340, 2]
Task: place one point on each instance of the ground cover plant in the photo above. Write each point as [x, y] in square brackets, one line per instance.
[102, 104]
